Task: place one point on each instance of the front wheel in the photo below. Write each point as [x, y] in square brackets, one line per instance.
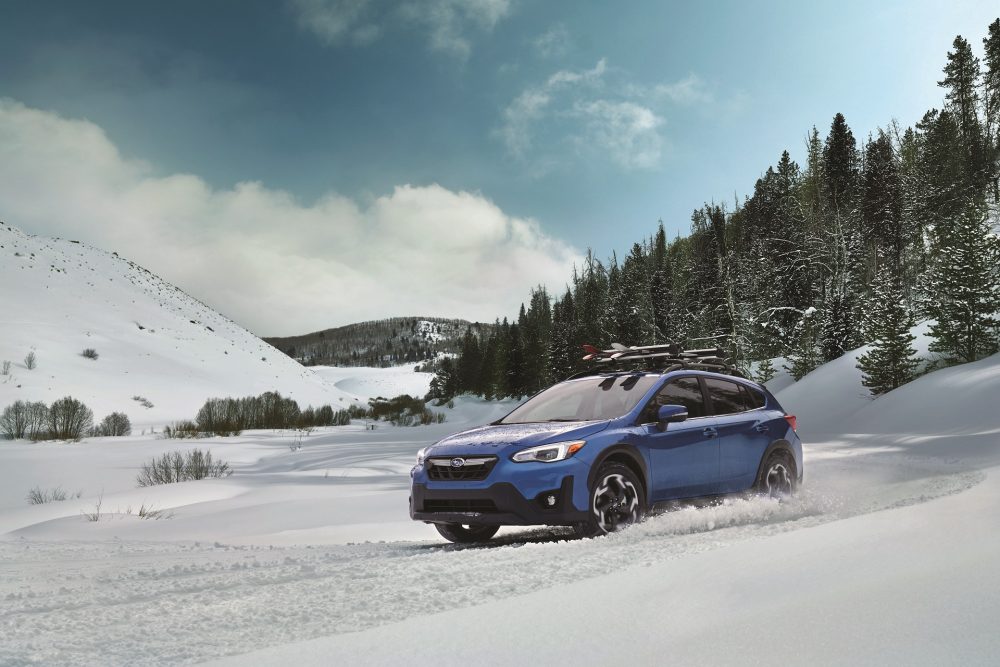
[777, 476]
[616, 501]
[456, 532]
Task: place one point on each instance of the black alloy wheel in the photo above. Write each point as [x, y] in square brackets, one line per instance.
[777, 477]
[616, 501]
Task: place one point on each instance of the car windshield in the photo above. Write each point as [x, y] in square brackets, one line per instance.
[589, 399]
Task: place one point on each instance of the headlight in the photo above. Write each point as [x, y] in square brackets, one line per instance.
[557, 451]
[420, 456]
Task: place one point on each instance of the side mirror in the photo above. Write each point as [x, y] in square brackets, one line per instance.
[671, 413]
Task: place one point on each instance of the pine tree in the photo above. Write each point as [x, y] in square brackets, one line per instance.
[961, 79]
[881, 207]
[443, 384]
[563, 353]
[963, 290]
[637, 324]
[765, 371]
[991, 102]
[468, 363]
[805, 356]
[840, 166]
[891, 361]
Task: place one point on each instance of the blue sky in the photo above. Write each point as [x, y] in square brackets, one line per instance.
[587, 121]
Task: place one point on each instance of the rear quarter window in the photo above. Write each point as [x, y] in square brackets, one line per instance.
[727, 397]
[753, 398]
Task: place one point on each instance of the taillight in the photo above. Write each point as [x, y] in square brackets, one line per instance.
[791, 421]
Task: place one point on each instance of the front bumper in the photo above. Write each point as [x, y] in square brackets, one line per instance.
[499, 504]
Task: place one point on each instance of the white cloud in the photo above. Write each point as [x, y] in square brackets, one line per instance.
[446, 22]
[272, 263]
[628, 132]
[336, 21]
[589, 76]
[553, 43]
[596, 111]
[519, 117]
[689, 90]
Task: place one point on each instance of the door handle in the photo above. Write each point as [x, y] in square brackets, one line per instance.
[710, 432]
[761, 428]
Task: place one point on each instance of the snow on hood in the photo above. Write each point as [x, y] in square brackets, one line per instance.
[515, 436]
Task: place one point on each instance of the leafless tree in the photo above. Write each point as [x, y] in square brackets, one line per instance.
[69, 419]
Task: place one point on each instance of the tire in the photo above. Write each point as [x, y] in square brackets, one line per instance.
[616, 501]
[456, 532]
[777, 478]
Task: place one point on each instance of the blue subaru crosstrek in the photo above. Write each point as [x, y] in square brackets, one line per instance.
[597, 452]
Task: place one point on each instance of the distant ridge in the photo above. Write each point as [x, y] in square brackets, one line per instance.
[388, 342]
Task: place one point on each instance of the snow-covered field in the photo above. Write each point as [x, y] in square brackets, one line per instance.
[365, 383]
[889, 554]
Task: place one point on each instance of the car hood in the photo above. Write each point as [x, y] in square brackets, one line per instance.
[504, 438]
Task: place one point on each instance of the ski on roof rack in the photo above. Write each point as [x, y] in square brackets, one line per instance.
[670, 355]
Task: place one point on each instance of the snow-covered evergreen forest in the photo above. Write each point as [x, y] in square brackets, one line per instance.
[849, 248]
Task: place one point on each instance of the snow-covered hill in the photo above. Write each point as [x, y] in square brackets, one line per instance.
[59, 297]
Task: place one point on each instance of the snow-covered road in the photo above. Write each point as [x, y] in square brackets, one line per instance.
[129, 601]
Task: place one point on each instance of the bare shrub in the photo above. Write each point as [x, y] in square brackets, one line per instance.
[181, 429]
[149, 512]
[89, 353]
[69, 419]
[96, 514]
[143, 401]
[13, 420]
[116, 424]
[5, 368]
[40, 496]
[175, 467]
[30, 360]
[37, 421]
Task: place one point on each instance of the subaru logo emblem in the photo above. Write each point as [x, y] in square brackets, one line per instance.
[457, 463]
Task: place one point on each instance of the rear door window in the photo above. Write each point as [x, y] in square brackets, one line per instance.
[683, 391]
[727, 397]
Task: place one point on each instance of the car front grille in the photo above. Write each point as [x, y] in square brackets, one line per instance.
[473, 469]
[483, 506]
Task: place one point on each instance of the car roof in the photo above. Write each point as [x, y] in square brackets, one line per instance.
[662, 373]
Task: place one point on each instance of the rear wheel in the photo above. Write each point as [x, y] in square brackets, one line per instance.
[468, 534]
[616, 501]
[777, 477]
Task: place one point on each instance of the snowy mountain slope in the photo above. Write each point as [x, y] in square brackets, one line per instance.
[60, 297]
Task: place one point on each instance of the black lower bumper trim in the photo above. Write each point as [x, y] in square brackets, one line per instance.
[509, 507]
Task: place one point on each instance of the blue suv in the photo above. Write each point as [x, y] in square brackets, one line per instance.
[597, 452]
